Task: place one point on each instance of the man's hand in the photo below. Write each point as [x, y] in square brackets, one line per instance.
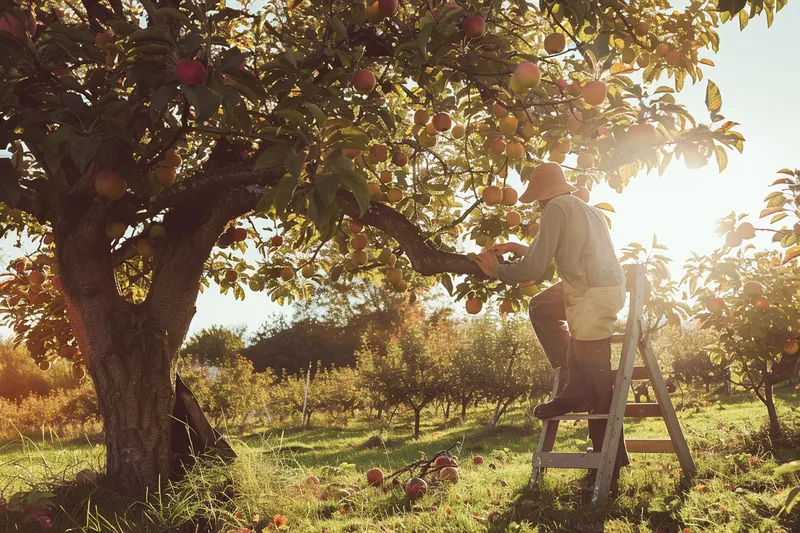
[506, 247]
[486, 260]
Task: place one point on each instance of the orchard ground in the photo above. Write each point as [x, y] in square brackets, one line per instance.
[735, 489]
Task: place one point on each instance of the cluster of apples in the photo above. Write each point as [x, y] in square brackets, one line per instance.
[378, 154]
[164, 174]
[744, 232]
[427, 129]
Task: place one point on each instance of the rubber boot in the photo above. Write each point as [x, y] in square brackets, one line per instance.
[575, 397]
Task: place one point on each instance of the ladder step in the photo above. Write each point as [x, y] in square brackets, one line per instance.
[642, 410]
[566, 460]
[650, 445]
[639, 372]
[632, 410]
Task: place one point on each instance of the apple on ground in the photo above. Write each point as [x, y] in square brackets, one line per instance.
[449, 473]
[374, 476]
[416, 488]
[478, 460]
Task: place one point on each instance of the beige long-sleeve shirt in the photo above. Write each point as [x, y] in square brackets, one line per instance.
[576, 235]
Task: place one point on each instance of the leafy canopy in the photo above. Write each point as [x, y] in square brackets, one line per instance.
[285, 117]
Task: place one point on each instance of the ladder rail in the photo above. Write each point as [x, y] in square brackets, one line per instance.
[667, 409]
[633, 331]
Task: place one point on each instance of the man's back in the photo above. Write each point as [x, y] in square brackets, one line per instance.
[584, 252]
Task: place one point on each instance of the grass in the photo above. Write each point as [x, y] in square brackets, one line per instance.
[733, 491]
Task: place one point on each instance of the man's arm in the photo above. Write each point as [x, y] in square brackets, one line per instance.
[539, 255]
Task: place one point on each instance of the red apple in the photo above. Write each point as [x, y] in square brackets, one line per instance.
[442, 461]
[190, 72]
[375, 476]
[364, 81]
[387, 8]
[492, 195]
[527, 74]
[276, 241]
[474, 306]
[791, 346]
[715, 305]
[239, 234]
[475, 26]
[110, 185]
[312, 480]
[105, 37]
[478, 460]
[416, 488]
[762, 304]
[561, 83]
[449, 473]
[442, 122]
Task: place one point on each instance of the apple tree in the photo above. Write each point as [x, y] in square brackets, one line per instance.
[158, 146]
[413, 370]
[750, 302]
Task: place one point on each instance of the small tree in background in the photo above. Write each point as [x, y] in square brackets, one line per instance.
[230, 393]
[414, 369]
[686, 351]
[751, 303]
[216, 346]
[512, 361]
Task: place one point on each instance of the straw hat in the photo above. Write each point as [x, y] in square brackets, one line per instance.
[544, 182]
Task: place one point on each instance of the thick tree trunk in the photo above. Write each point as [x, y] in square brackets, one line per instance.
[416, 422]
[447, 410]
[464, 404]
[772, 412]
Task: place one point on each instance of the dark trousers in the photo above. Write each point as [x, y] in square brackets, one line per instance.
[588, 363]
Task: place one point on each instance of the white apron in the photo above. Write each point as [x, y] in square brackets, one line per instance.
[591, 313]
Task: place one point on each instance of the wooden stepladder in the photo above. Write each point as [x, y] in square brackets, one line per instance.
[635, 339]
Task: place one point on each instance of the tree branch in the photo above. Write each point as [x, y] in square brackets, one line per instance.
[425, 259]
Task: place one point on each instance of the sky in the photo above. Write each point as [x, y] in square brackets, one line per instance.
[757, 75]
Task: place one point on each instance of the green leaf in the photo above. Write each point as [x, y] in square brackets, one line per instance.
[357, 183]
[790, 254]
[292, 116]
[284, 192]
[338, 28]
[722, 157]
[203, 100]
[82, 150]
[317, 113]
[294, 162]
[274, 155]
[232, 58]
[713, 98]
[174, 14]
[788, 468]
[447, 281]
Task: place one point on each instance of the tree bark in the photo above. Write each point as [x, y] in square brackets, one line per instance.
[447, 410]
[772, 412]
[416, 422]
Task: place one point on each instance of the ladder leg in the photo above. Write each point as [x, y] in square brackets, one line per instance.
[616, 414]
[546, 441]
[667, 409]
[548, 437]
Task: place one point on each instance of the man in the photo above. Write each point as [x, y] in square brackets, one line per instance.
[574, 319]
